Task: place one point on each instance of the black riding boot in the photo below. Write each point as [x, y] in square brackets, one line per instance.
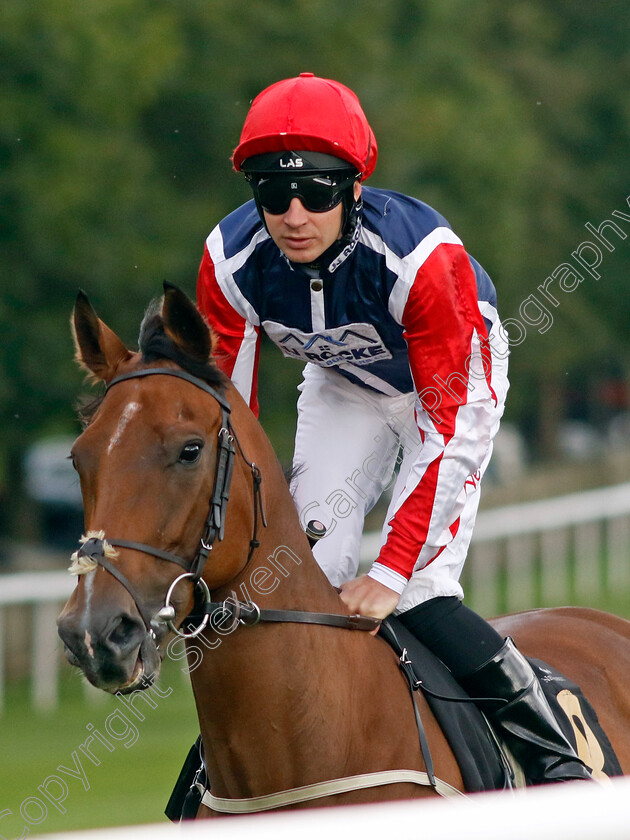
[526, 721]
[488, 666]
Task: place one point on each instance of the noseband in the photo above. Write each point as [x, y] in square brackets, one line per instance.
[214, 528]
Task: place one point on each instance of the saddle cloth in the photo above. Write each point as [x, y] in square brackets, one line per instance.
[482, 763]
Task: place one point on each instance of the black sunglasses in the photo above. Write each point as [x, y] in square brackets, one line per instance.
[318, 193]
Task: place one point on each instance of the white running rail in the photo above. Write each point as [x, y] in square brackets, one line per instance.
[545, 552]
[522, 556]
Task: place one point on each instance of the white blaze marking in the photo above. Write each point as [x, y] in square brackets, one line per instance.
[89, 584]
[88, 644]
[130, 409]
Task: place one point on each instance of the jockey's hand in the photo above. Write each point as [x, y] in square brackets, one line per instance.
[367, 596]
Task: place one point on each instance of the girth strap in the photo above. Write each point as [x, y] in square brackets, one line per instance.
[307, 793]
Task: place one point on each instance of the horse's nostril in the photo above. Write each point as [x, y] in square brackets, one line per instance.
[126, 633]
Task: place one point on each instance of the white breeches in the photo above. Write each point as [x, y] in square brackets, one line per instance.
[347, 444]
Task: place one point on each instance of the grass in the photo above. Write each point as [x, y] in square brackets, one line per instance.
[133, 781]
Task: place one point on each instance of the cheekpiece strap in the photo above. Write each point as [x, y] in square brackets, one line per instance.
[215, 523]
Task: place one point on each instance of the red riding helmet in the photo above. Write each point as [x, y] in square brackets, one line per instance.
[310, 114]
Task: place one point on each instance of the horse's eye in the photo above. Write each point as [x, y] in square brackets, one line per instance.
[191, 452]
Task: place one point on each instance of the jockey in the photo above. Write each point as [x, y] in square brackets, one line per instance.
[404, 382]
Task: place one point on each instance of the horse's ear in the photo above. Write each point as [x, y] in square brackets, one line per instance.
[98, 350]
[184, 324]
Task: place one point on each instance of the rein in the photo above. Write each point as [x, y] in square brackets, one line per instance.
[250, 614]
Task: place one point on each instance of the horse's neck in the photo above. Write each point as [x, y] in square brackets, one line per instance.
[283, 705]
[282, 571]
[259, 689]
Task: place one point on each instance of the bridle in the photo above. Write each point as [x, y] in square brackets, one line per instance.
[214, 528]
[247, 614]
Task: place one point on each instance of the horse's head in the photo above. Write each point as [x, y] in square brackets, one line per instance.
[147, 461]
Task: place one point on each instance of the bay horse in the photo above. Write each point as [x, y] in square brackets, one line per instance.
[175, 472]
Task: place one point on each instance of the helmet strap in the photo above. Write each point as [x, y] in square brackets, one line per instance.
[340, 250]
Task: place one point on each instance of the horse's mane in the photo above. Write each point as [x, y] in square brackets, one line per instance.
[154, 344]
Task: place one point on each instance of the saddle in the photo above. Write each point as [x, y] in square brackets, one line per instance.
[484, 762]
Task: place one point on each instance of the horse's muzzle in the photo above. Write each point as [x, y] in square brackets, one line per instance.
[121, 657]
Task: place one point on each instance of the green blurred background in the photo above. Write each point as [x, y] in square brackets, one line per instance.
[117, 121]
[118, 118]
